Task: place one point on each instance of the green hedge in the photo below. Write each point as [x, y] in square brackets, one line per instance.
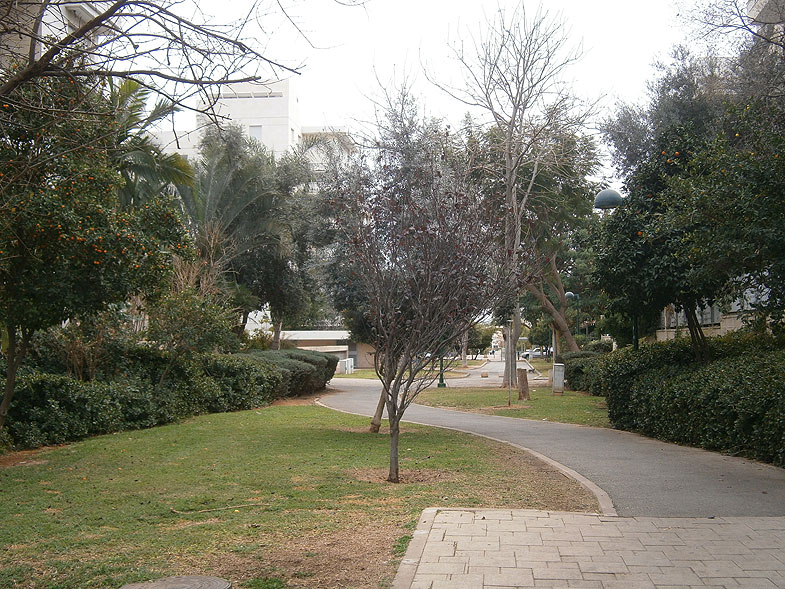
[303, 372]
[243, 383]
[600, 346]
[734, 404]
[579, 369]
[55, 408]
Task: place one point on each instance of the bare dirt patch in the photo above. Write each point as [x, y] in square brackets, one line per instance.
[291, 401]
[22, 458]
[407, 475]
[359, 557]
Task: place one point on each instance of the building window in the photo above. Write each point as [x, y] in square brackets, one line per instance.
[255, 131]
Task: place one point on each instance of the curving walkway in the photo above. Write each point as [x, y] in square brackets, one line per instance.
[642, 476]
[691, 518]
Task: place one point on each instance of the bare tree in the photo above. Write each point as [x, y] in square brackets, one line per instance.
[146, 40]
[416, 236]
[764, 20]
[513, 73]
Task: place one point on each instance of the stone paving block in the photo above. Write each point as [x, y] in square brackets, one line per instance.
[763, 542]
[629, 582]
[436, 535]
[440, 568]
[469, 530]
[749, 583]
[469, 553]
[475, 543]
[530, 556]
[757, 563]
[600, 531]
[647, 558]
[725, 582]
[504, 526]
[621, 544]
[581, 549]
[661, 539]
[644, 570]
[453, 517]
[688, 553]
[726, 548]
[561, 536]
[708, 569]
[515, 578]
[460, 582]
[437, 549]
[454, 560]
[583, 584]
[522, 539]
[604, 567]
[548, 572]
[472, 570]
[491, 559]
[428, 578]
[488, 514]
[421, 585]
[675, 576]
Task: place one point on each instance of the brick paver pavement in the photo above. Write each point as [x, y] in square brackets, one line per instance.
[498, 549]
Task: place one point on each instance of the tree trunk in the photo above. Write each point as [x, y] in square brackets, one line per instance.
[557, 318]
[700, 346]
[465, 349]
[376, 422]
[394, 434]
[277, 324]
[240, 328]
[511, 337]
[523, 385]
[16, 354]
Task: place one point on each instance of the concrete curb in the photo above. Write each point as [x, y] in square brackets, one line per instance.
[411, 560]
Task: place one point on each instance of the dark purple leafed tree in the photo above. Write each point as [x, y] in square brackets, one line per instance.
[418, 246]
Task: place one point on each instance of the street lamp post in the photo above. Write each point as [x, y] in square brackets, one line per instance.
[441, 384]
[610, 199]
[510, 352]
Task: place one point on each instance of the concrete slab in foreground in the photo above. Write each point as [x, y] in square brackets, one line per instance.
[496, 549]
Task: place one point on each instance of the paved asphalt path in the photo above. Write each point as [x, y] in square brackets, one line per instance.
[643, 477]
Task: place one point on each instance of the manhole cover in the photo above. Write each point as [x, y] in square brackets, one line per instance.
[196, 582]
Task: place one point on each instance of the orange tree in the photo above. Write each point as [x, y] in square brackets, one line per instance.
[66, 249]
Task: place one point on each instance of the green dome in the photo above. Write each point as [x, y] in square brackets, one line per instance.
[608, 199]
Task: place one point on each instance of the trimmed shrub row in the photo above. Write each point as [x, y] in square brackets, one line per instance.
[734, 404]
[55, 408]
[303, 372]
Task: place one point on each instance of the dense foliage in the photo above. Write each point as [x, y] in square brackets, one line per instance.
[735, 403]
[58, 408]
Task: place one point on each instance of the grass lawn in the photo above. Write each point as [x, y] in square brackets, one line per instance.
[542, 364]
[572, 407]
[281, 497]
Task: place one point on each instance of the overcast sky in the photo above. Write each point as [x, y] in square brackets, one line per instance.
[392, 39]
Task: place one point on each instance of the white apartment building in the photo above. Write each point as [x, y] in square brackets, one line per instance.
[268, 112]
[19, 31]
[766, 11]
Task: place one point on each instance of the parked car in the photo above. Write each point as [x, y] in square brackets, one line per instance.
[534, 353]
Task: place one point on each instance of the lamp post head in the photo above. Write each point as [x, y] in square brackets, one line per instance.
[571, 295]
[608, 199]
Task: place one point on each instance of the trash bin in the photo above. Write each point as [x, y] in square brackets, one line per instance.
[558, 379]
